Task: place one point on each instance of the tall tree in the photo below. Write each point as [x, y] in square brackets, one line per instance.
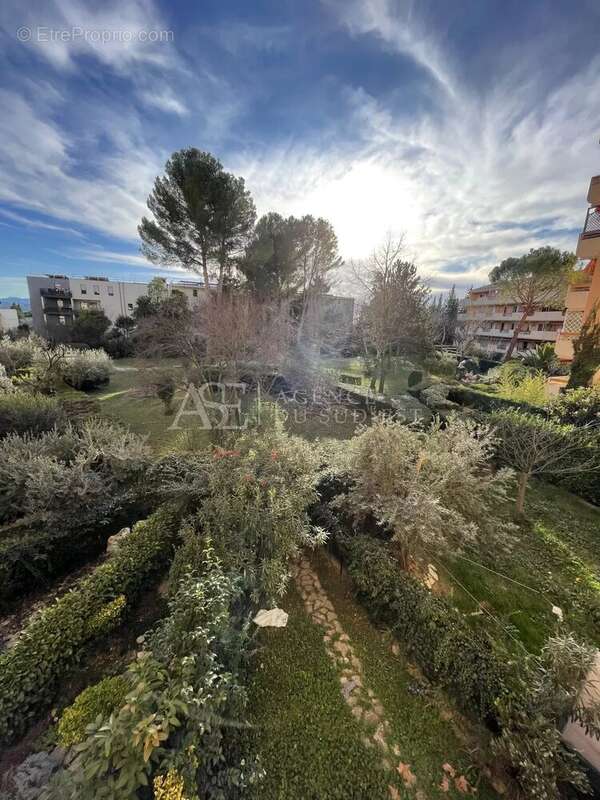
[537, 279]
[269, 263]
[202, 215]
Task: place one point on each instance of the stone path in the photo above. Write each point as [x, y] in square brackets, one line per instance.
[363, 702]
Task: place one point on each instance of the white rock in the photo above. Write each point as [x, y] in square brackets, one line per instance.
[271, 618]
[557, 612]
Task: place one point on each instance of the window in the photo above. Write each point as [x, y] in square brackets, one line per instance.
[61, 320]
[515, 309]
[195, 292]
[130, 306]
[83, 289]
[96, 290]
[111, 291]
[540, 326]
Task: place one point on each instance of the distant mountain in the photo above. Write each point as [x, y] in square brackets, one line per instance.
[6, 302]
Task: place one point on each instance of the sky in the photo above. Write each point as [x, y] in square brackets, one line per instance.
[470, 128]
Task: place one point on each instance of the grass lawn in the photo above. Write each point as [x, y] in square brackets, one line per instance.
[310, 744]
[556, 556]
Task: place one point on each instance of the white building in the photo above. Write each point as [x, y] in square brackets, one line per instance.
[57, 299]
[9, 319]
[490, 319]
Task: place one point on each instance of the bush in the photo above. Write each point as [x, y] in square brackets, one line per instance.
[78, 476]
[182, 712]
[54, 638]
[20, 354]
[96, 701]
[6, 385]
[482, 401]
[21, 412]
[86, 369]
[446, 648]
[432, 491]
[577, 407]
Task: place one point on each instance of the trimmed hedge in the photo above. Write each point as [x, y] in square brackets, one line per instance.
[53, 639]
[446, 648]
[488, 402]
[100, 699]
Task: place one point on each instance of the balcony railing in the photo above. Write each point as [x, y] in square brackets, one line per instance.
[591, 229]
[59, 294]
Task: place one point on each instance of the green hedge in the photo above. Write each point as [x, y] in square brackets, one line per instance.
[446, 648]
[54, 638]
[488, 402]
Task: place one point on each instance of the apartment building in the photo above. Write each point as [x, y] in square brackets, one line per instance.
[491, 318]
[57, 299]
[583, 295]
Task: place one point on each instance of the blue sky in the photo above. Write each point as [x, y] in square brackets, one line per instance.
[469, 127]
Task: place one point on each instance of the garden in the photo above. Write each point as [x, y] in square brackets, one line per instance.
[253, 549]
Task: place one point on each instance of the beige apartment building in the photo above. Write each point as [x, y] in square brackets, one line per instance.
[490, 318]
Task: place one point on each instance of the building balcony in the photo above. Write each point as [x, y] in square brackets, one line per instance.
[588, 245]
[593, 196]
[535, 336]
[54, 292]
[65, 311]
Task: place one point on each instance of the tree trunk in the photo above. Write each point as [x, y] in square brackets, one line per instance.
[522, 489]
[381, 374]
[205, 271]
[513, 341]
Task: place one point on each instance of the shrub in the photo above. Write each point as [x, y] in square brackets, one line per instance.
[6, 385]
[447, 649]
[86, 369]
[78, 476]
[54, 637]
[536, 446]
[99, 700]
[20, 354]
[576, 407]
[482, 401]
[542, 358]
[21, 412]
[255, 505]
[185, 703]
[433, 491]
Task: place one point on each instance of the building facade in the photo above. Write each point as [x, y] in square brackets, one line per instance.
[57, 299]
[490, 320]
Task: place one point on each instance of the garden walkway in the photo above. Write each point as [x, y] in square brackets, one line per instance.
[364, 703]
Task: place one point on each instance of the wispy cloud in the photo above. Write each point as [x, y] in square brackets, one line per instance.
[20, 219]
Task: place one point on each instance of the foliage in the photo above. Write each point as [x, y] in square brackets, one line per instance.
[6, 385]
[101, 699]
[200, 214]
[535, 280]
[533, 445]
[83, 470]
[441, 363]
[19, 354]
[520, 385]
[169, 786]
[586, 351]
[531, 718]
[165, 385]
[484, 401]
[180, 715]
[446, 648]
[118, 343]
[255, 505]
[86, 369]
[445, 317]
[541, 358]
[53, 639]
[434, 491]
[21, 413]
[578, 407]
[89, 327]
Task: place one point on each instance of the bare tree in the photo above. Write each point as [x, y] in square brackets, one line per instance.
[395, 316]
[534, 446]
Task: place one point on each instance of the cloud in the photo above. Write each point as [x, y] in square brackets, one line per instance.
[118, 34]
[34, 223]
[165, 101]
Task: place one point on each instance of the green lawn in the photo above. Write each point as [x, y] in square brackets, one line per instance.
[556, 556]
[310, 744]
